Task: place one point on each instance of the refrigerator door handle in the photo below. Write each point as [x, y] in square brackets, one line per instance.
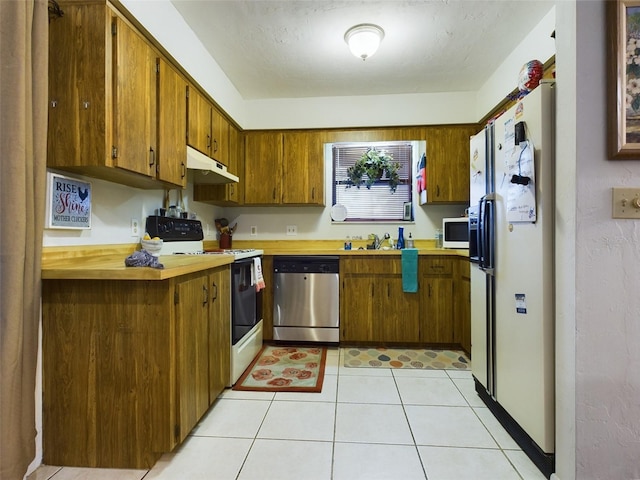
[486, 233]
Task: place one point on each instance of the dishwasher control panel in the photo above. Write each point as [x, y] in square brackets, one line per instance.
[306, 264]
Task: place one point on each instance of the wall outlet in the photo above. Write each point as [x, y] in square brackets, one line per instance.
[292, 230]
[254, 230]
[135, 227]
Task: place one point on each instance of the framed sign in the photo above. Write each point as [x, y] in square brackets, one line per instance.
[623, 96]
[68, 202]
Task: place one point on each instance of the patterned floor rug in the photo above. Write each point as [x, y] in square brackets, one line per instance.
[285, 369]
[406, 358]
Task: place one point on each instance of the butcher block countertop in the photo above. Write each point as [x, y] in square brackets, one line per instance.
[106, 262]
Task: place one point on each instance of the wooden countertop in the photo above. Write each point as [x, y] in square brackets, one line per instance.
[110, 266]
[106, 262]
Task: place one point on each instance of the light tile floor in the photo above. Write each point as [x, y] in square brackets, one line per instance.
[368, 423]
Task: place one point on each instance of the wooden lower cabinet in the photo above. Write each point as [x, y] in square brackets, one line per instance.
[374, 307]
[436, 305]
[219, 331]
[126, 365]
[192, 351]
[462, 305]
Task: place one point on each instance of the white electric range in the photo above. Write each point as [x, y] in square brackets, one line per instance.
[185, 237]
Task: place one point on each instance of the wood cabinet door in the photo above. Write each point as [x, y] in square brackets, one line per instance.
[219, 331]
[357, 309]
[263, 168]
[199, 111]
[220, 137]
[462, 306]
[134, 101]
[448, 164]
[192, 352]
[172, 125]
[303, 168]
[396, 318]
[436, 323]
[78, 44]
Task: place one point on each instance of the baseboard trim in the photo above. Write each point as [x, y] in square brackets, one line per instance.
[545, 462]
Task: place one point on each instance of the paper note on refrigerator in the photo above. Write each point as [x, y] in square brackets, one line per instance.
[521, 192]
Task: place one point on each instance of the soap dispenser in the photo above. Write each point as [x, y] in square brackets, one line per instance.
[410, 241]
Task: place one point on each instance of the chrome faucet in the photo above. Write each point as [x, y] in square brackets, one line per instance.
[376, 242]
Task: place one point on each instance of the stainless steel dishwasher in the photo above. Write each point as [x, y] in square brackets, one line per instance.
[306, 304]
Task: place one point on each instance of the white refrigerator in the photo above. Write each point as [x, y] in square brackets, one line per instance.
[511, 220]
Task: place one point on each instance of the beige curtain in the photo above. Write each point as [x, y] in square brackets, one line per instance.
[23, 143]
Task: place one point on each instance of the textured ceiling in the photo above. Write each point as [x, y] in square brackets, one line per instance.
[293, 48]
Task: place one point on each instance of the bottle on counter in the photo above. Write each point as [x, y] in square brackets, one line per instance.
[438, 237]
[400, 244]
[410, 241]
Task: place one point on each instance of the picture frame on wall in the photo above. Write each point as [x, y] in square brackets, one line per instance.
[623, 54]
[68, 203]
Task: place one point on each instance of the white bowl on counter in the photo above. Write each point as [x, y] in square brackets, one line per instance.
[152, 246]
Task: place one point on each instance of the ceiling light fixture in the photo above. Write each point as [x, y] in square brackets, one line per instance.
[364, 39]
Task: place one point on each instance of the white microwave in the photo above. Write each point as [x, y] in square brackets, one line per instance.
[455, 232]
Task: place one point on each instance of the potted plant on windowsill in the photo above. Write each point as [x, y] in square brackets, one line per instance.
[374, 165]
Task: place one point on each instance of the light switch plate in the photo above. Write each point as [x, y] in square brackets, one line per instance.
[626, 202]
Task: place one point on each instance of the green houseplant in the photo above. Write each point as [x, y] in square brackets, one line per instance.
[374, 165]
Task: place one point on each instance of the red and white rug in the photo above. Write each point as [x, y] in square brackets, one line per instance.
[285, 369]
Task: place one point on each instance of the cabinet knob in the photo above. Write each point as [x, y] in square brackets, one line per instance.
[54, 103]
[85, 104]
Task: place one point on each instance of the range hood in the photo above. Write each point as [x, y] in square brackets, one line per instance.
[207, 170]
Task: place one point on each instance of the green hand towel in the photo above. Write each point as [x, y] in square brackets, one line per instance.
[410, 270]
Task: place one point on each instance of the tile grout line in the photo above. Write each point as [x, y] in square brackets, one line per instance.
[406, 417]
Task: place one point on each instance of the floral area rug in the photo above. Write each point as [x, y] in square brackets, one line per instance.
[285, 369]
[406, 358]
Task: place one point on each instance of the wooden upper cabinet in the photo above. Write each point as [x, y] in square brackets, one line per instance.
[263, 168]
[199, 112]
[448, 163]
[284, 168]
[220, 137]
[171, 156]
[303, 168]
[134, 95]
[229, 194]
[103, 97]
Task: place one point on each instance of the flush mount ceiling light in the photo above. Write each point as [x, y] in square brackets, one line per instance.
[364, 39]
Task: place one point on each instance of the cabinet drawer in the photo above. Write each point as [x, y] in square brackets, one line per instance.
[371, 264]
[437, 266]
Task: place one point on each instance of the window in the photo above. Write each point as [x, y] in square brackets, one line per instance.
[377, 203]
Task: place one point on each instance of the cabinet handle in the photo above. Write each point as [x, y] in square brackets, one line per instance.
[429, 290]
[215, 146]
[313, 193]
[205, 298]
[184, 170]
[152, 157]
[215, 296]
[388, 291]
[274, 193]
[232, 188]
[208, 142]
[437, 190]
